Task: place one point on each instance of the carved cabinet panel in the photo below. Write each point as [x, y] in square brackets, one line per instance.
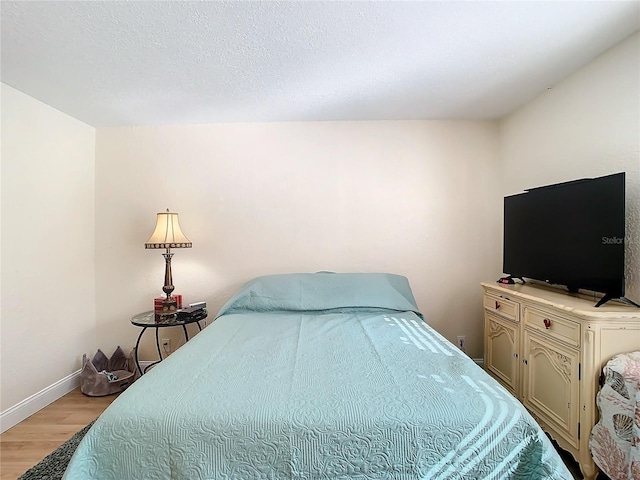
[501, 351]
[551, 384]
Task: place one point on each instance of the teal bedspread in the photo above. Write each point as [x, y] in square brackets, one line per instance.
[301, 380]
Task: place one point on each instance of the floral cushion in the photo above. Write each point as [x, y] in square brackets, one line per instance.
[615, 439]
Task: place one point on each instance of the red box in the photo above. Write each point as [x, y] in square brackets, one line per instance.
[157, 302]
[178, 299]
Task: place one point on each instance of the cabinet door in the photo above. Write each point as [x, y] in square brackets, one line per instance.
[551, 385]
[501, 351]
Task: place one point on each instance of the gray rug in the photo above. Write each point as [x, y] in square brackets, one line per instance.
[52, 467]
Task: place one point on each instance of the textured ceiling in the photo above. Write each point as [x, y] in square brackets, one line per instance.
[154, 63]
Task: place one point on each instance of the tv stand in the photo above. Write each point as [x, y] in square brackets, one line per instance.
[608, 297]
[548, 347]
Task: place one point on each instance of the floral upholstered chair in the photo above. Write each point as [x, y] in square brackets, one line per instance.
[615, 439]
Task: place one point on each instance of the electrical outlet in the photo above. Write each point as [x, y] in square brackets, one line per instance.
[166, 345]
[461, 342]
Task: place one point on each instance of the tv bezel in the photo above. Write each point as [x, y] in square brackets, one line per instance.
[555, 279]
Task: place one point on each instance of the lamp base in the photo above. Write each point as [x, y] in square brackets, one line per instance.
[159, 303]
[167, 311]
[169, 306]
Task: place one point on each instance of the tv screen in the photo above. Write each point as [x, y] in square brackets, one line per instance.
[570, 234]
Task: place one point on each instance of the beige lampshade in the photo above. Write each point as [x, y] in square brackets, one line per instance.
[168, 233]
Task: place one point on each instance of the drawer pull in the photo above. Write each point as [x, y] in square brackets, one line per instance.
[515, 355]
[525, 361]
[547, 323]
[497, 304]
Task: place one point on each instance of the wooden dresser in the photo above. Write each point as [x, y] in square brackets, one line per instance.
[548, 347]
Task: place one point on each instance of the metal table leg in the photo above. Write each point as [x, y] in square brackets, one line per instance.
[186, 335]
[137, 347]
[158, 345]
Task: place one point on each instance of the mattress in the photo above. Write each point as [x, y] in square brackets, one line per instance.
[317, 376]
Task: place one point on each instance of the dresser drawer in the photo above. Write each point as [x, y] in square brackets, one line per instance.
[552, 325]
[502, 306]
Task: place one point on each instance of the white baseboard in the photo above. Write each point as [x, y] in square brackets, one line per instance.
[36, 402]
[27, 407]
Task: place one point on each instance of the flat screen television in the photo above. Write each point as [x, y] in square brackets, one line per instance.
[569, 234]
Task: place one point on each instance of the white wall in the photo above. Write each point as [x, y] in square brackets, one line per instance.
[414, 198]
[48, 266]
[586, 126]
[421, 199]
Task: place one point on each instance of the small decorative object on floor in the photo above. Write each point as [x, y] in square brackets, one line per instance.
[102, 376]
[52, 467]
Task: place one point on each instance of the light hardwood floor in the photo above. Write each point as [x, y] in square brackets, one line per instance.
[24, 445]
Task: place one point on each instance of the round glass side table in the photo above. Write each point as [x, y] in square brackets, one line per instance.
[153, 320]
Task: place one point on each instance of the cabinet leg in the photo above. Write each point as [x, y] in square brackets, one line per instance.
[589, 470]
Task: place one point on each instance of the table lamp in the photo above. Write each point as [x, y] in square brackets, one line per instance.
[168, 235]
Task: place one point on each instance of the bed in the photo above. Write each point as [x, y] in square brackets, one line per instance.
[317, 376]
